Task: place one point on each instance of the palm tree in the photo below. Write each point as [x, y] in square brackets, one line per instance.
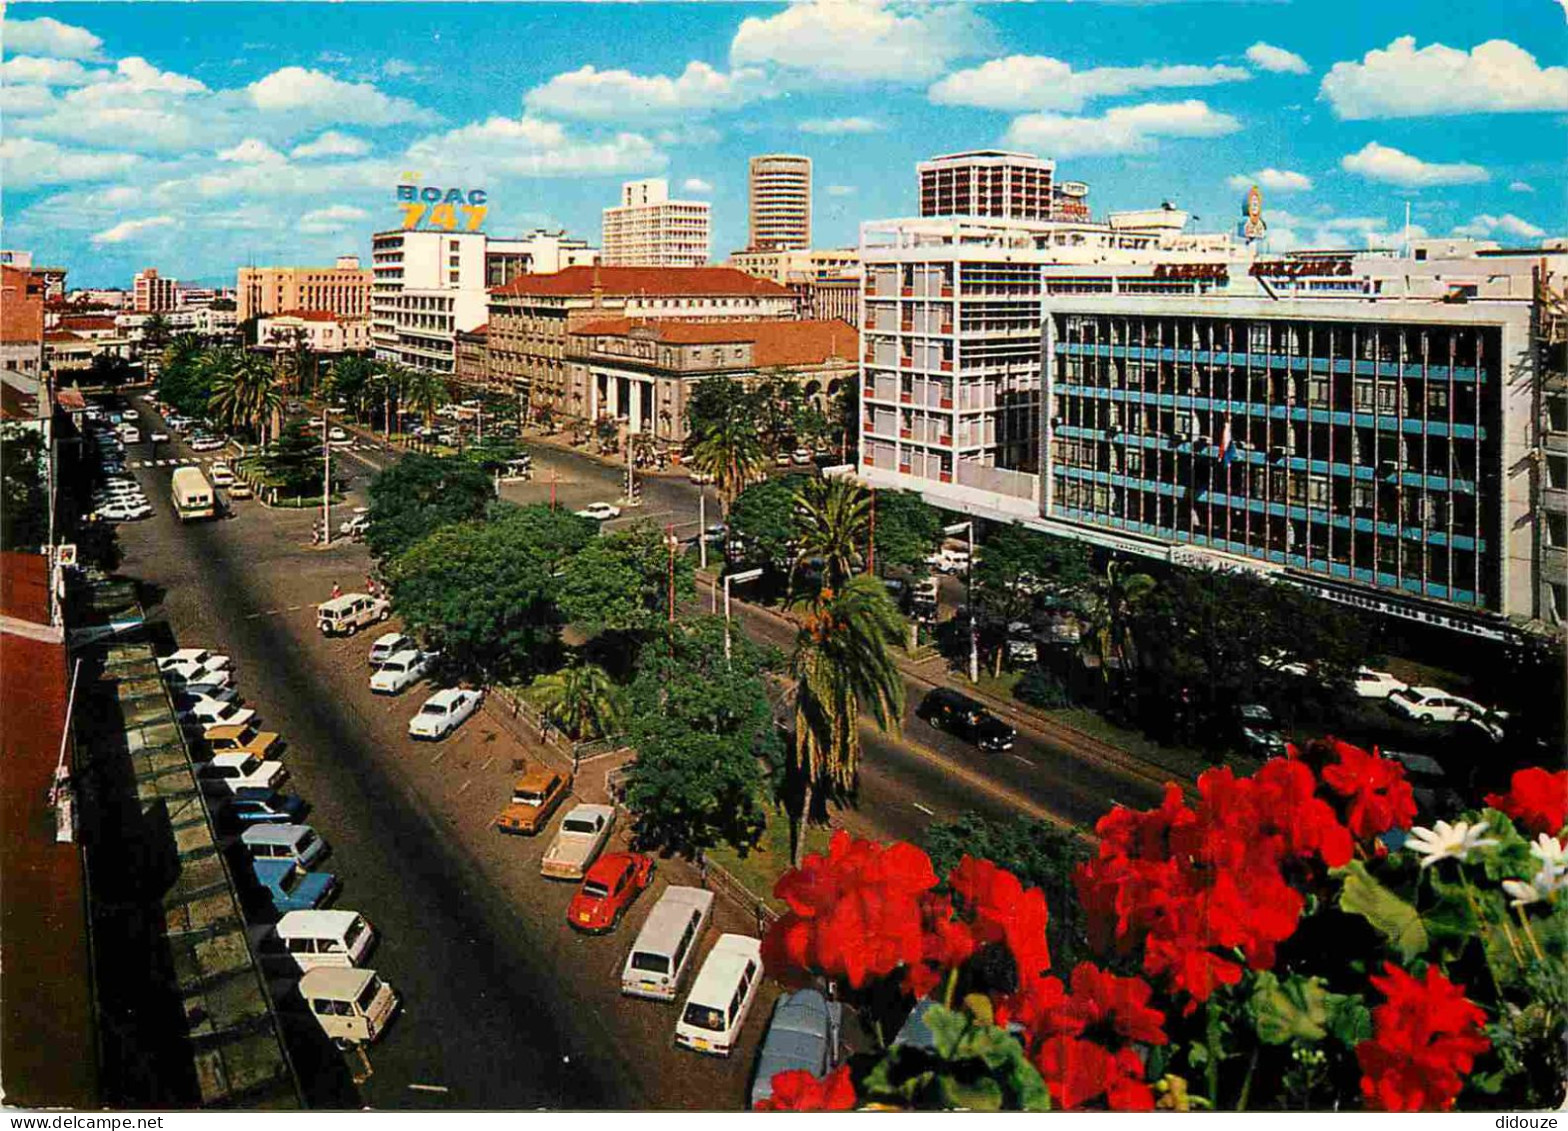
[581, 700]
[245, 390]
[391, 378]
[831, 517]
[349, 381]
[1117, 596]
[425, 392]
[731, 454]
[155, 334]
[842, 664]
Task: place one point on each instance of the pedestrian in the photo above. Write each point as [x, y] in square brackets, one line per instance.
[337, 591]
[370, 585]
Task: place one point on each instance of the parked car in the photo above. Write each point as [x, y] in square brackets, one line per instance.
[352, 1006]
[187, 695]
[1370, 684]
[206, 712]
[959, 715]
[207, 661]
[1432, 705]
[1257, 731]
[608, 889]
[221, 475]
[158, 436]
[351, 612]
[185, 675]
[600, 512]
[667, 943]
[804, 1034]
[721, 997]
[581, 837]
[121, 512]
[948, 560]
[298, 844]
[261, 807]
[388, 645]
[801, 457]
[535, 796]
[240, 490]
[225, 738]
[698, 477]
[401, 671]
[1430, 785]
[289, 888]
[227, 774]
[355, 527]
[444, 712]
[306, 940]
[205, 443]
[337, 435]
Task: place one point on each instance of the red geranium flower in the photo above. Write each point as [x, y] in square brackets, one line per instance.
[1379, 796]
[799, 1090]
[1003, 911]
[944, 943]
[1425, 1038]
[1537, 799]
[1036, 1006]
[854, 911]
[1077, 1072]
[1105, 1005]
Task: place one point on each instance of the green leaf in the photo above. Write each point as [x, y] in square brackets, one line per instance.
[947, 1029]
[1510, 858]
[1293, 1010]
[984, 1094]
[1393, 918]
[1349, 1019]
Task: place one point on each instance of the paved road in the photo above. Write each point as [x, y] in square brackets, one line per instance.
[505, 1007]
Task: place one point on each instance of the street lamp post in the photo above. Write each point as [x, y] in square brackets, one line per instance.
[702, 525]
[969, 583]
[326, 477]
[744, 575]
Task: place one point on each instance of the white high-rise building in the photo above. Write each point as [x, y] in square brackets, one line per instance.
[648, 229]
[428, 286]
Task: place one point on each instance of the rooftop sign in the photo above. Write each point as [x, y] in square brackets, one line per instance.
[439, 208]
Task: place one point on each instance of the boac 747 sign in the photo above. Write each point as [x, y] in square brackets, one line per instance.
[439, 208]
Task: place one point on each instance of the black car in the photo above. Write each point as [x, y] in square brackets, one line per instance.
[960, 715]
[1257, 732]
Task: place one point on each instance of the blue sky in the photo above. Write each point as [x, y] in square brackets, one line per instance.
[198, 137]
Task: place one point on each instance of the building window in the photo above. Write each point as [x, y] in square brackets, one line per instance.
[1556, 529]
[1557, 594]
[1557, 412]
[1557, 471]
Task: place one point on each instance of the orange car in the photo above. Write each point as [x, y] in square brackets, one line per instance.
[534, 797]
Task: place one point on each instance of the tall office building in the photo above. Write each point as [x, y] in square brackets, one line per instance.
[153, 294]
[780, 202]
[648, 229]
[429, 285]
[343, 289]
[988, 182]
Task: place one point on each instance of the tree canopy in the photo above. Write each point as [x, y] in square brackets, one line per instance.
[24, 511]
[619, 582]
[908, 530]
[418, 495]
[705, 738]
[762, 521]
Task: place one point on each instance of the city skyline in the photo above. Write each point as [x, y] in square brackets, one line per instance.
[278, 134]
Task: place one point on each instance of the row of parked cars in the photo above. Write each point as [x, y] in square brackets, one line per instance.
[317, 952]
[118, 497]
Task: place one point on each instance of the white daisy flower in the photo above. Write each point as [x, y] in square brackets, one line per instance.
[1549, 851]
[1540, 887]
[1444, 840]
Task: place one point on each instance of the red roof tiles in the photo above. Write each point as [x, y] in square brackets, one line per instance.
[774, 341]
[700, 281]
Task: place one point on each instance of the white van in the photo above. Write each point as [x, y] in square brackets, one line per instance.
[304, 940]
[297, 844]
[351, 612]
[721, 997]
[352, 1006]
[666, 944]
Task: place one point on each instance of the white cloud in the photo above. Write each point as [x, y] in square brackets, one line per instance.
[697, 185]
[688, 133]
[1275, 180]
[130, 229]
[1394, 167]
[852, 41]
[1267, 57]
[40, 71]
[251, 151]
[46, 36]
[841, 190]
[1521, 186]
[334, 218]
[21, 101]
[26, 163]
[1401, 81]
[135, 75]
[1123, 129]
[854, 125]
[533, 147]
[1036, 82]
[613, 95]
[332, 144]
[400, 68]
[320, 97]
[1485, 226]
[1288, 231]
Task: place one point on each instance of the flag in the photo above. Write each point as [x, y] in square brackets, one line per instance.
[1228, 451]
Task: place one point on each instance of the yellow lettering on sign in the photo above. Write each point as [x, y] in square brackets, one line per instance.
[443, 216]
[476, 216]
[412, 214]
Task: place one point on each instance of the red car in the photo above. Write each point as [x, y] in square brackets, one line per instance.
[608, 890]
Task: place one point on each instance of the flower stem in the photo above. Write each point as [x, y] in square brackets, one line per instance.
[1211, 1039]
[1246, 1083]
[1529, 933]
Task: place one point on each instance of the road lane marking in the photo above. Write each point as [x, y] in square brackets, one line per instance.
[1024, 760]
[441, 1089]
[464, 786]
[439, 755]
[923, 809]
[488, 760]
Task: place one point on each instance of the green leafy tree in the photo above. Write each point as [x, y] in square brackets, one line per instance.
[24, 514]
[424, 392]
[185, 379]
[484, 592]
[1039, 853]
[831, 521]
[293, 462]
[349, 382]
[1118, 595]
[1016, 565]
[244, 390]
[581, 699]
[704, 732]
[908, 530]
[845, 419]
[762, 520]
[842, 665]
[418, 495]
[722, 435]
[620, 582]
[108, 371]
[155, 335]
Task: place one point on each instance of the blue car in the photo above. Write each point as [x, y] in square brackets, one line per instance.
[290, 889]
[802, 1033]
[262, 807]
